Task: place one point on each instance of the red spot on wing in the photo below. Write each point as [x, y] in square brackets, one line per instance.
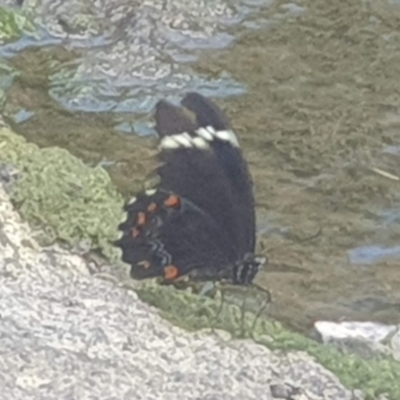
[173, 201]
[171, 272]
[152, 207]
[135, 232]
[141, 218]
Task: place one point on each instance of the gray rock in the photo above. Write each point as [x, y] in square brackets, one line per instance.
[9, 175]
[66, 334]
[365, 339]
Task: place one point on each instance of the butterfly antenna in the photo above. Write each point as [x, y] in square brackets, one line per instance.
[219, 310]
[207, 113]
[171, 120]
[259, 312]
[263, 290]
[243, 318]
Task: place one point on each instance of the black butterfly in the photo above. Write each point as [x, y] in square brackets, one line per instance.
[200, 219]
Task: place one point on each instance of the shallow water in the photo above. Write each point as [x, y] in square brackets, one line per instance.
[373, 254]
[129, 54]
[317, 109]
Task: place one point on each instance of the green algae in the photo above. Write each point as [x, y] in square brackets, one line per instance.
[57, 191]
[13, 23]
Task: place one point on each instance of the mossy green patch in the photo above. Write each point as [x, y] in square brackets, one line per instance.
[58, 191]
[192, 312]
[13, 23]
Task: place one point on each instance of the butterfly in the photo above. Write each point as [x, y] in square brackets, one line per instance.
[200, 219]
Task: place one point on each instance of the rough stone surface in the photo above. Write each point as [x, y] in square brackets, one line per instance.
[66, 334]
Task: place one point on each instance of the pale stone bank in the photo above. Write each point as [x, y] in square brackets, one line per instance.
[65, 334]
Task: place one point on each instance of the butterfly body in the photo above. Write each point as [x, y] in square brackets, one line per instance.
[200, 219]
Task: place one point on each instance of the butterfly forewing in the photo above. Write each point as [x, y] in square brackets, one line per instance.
[192, 169]
[171, 120]
[231, 161]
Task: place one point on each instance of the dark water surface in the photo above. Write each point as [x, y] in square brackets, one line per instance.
[316, 105]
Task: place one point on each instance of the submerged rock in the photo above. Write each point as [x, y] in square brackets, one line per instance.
[132, 53]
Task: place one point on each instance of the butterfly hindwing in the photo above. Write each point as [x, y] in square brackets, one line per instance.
[167, 235]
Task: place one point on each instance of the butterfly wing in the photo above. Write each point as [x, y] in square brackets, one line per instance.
[167, 235]
[192, 169]
[201, 217]
[213, 122]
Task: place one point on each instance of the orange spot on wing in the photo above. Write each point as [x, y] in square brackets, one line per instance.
[135, 232]
[171, 272]
[152, 207]
[173, 201]
[141, 218]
